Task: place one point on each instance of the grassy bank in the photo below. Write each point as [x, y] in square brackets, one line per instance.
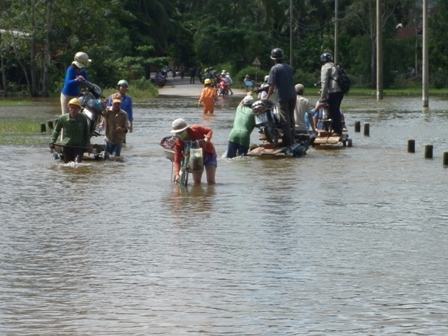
[21, 132]
[139, 91]
[399, 92]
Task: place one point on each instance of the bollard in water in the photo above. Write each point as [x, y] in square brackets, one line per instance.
[50, 124]
[357, 126]
[367, 129]
[43, 128]
[411, 146]
[445, 159]
[428, 151]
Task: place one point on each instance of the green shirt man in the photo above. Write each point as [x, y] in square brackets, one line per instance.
[76, 133]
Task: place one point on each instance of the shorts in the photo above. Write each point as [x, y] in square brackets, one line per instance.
[210, 160]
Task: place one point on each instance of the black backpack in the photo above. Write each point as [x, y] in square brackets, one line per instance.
[342, 78]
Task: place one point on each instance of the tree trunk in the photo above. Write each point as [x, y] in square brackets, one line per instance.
[46, 52]
[372, 46]
[33, 50]
[3, 71]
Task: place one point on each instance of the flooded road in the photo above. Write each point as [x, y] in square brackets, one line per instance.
[340, 242]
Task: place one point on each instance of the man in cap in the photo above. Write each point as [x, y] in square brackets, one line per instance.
[116, 121]
[281, 80]
[74, 75]
[76, 133]
[303, 113]
[126, 101]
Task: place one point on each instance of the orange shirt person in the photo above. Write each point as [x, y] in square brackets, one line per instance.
[208, 97]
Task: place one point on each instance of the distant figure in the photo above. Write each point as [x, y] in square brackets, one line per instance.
[281, 80]
[74, 75]
[331, 94]
[116, 121]
[208, 97]
[192, 74]
[76, 133]
[203, 135]
[243, 125]
[248, 83]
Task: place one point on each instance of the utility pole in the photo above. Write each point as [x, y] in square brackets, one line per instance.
[290, 33]
[425, 61]
[336, 31]
[379, 52]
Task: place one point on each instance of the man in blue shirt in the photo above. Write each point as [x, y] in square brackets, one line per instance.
[74, 76]
[281, 79]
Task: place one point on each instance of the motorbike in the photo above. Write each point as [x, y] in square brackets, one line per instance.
[92, 105]
[269, 124]
[161, 78]
[223, 88]
[325, 135]
[267, 120]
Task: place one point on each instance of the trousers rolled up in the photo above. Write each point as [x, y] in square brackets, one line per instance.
[64, 103]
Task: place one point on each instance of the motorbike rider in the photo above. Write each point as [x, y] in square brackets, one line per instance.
[331, 94]
[75, 74]
[281, 80]
[76, 133]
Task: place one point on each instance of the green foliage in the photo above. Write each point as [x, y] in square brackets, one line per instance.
[130, 39]
[308, 79]
[255, 74]
[139, 89]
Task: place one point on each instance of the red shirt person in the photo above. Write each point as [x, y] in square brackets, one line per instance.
[202, 135]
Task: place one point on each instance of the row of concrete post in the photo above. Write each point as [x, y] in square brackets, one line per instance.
[49, 124]
[428, 151]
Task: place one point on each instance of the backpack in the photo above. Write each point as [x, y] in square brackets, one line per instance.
[342, 78]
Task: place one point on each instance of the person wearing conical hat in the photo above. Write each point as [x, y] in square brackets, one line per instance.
[75, 74]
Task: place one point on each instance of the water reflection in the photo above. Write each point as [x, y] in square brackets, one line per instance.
[187, 204]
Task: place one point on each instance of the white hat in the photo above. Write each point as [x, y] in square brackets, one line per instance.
[247, 100]
[178, 126]
[81, 60]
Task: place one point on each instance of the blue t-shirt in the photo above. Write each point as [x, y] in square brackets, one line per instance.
[281, 76]
[72, 87]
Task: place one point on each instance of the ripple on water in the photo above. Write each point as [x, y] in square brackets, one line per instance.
[345, 242]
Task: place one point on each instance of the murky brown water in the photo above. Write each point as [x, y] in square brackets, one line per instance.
[341, 242]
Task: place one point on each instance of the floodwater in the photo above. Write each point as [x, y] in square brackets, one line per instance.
[340, 242]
